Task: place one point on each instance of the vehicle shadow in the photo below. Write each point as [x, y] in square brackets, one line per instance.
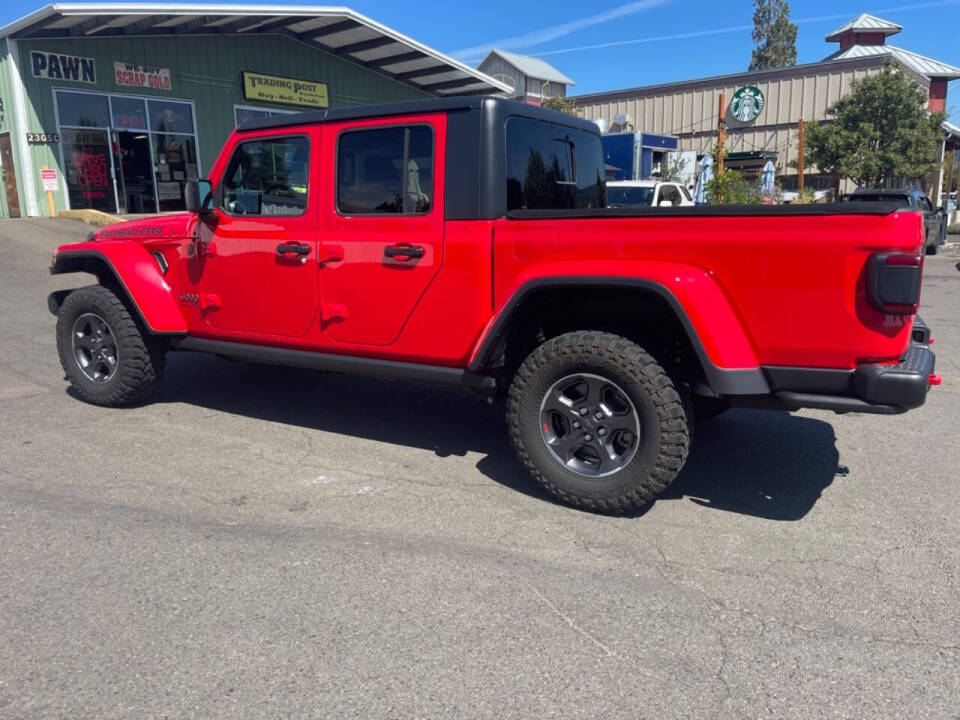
[767, 464]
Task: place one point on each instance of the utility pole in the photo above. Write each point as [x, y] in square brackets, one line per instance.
[800, 156]
[721, 131]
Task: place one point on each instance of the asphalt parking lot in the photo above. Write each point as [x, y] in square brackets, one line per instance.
[276, 542]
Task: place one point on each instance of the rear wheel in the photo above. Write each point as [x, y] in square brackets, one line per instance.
[597, 422]
[107, 353]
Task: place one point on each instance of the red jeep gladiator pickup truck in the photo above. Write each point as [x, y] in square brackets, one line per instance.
[466, 241]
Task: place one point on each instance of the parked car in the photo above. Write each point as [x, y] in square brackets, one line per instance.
[934, 219]
[647, 193]
[464, 241]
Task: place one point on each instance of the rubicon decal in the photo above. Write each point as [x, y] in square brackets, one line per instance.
[57, 66]
[121, 232]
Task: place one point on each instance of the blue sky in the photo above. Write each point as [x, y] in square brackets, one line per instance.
[614, 44]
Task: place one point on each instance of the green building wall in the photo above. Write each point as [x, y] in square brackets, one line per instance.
[6, 115]
[203, 69]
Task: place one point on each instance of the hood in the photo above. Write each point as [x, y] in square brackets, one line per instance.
[161, 227]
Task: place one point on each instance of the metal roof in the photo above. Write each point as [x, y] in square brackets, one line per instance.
[532, 67]
[865, 23]
[919, 64]
[337, 30]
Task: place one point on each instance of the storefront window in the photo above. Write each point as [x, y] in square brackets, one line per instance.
[171, 117]
[138, 153]
[129, 113]
[83, 110]
[175, 159]
[86, 157]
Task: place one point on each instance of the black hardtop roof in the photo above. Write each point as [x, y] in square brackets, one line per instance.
[411, 107]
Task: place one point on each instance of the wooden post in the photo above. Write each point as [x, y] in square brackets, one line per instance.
[800, 156]
[721, 128]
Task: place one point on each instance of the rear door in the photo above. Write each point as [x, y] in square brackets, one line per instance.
[383, 224]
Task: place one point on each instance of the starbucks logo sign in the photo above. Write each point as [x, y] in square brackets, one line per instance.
[747, 103]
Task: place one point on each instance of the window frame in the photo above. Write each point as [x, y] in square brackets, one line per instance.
[221, 186]
[373, 128]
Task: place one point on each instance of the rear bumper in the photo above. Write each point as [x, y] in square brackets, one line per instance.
[878, 389]
[903, 385]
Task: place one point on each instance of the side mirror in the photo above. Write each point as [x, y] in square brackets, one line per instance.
[666, 203]
[198, 195]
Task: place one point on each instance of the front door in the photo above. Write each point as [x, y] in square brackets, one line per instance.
[9, 176]
[383, 226]
[258, 274]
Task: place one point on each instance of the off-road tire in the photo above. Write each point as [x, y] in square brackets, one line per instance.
[665, 432]
[140, 355]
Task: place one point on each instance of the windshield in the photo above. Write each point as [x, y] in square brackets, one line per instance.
[629, 196]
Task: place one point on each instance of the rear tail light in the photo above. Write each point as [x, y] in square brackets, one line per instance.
[893, 282]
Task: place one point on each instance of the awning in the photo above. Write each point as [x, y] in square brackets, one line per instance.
[336, 30]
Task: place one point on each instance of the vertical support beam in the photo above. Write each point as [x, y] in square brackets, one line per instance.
[28, 188]
[800, 156]
[721, 131]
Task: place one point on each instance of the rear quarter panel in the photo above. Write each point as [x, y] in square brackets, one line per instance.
[759, 290]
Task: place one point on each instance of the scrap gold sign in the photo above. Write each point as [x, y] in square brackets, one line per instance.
[284, 91]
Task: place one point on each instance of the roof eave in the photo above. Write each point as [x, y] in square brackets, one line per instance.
[55, 10]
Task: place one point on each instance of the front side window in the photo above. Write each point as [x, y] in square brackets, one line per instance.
[553, 167]
[267, 177]
[385, 171]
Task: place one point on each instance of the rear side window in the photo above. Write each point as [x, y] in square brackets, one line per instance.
[552, 167]
[385, 171]
[267, 177]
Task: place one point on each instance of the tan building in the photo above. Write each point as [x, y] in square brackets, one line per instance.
[763, 108]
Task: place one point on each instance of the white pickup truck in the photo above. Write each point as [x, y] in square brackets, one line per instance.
[647, 193]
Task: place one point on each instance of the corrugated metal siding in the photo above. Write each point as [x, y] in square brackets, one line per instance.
[204, 69]
[692, 114]
[496, 65]
[6, 115]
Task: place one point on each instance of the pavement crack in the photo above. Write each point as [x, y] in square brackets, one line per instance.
[573, 625]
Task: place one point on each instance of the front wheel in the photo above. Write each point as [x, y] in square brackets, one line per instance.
[597, 422]
[107, 353]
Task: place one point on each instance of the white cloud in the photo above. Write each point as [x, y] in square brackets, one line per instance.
[536, 37]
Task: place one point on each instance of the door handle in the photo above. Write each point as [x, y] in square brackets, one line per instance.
[294, 248]
[403, 252]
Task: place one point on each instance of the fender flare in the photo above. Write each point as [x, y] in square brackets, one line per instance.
[748, 380]
[135, 271]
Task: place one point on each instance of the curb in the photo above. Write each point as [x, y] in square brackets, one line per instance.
[90, 217]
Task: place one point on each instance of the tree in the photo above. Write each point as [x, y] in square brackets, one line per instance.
[880, 131]
[561, 104]
[774, 36]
